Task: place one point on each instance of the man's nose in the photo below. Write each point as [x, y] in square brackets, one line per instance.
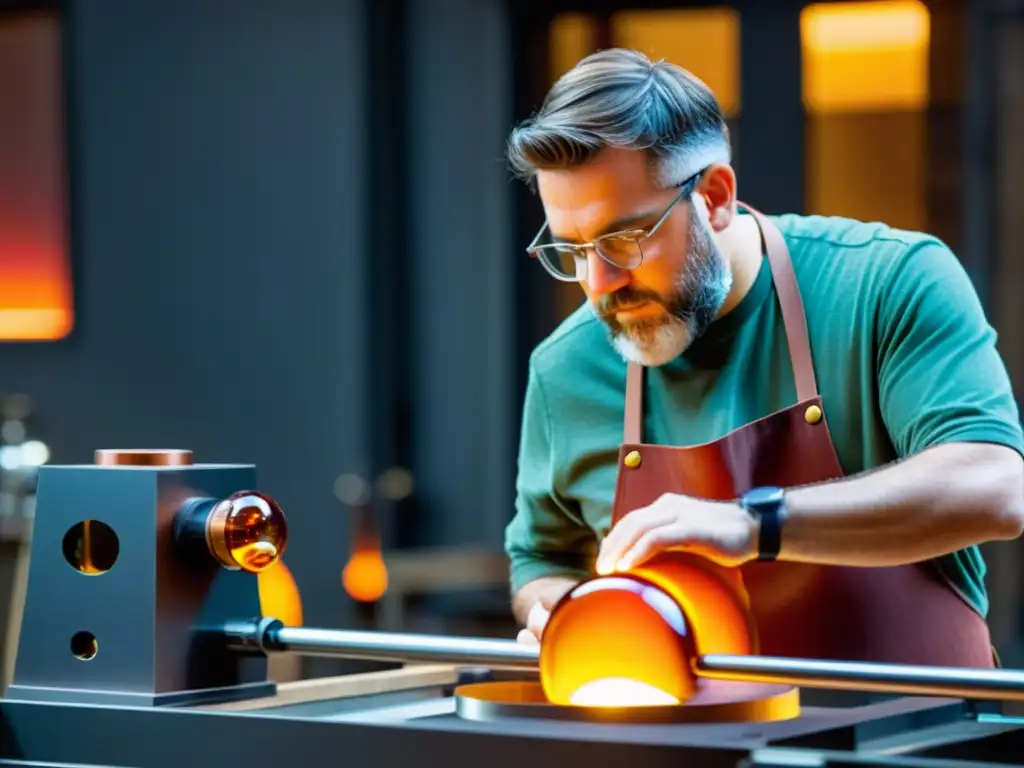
[604, 278]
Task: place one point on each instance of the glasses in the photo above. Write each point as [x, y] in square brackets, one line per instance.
[624, 249]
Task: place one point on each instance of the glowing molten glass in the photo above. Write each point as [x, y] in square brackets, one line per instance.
[279, 595]
[620, 692]
[630, 639]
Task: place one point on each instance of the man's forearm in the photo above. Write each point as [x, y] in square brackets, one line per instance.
[939, 501]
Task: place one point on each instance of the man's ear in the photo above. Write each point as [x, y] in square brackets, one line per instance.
[718, 189]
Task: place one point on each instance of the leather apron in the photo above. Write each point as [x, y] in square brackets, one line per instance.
[904, 614]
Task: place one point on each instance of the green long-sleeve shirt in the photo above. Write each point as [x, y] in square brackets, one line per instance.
[904, 356]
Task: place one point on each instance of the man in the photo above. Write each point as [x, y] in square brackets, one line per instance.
[816, 401]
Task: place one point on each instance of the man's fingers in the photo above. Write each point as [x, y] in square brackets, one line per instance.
[536, 620]
[526, 637]
[650, 544]
[627, 533]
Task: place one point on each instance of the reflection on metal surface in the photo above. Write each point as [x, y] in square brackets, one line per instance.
[713, 702]
[270, 635]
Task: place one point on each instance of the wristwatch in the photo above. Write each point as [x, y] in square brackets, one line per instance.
[768, 505]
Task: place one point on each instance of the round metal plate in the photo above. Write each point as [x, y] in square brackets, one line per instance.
[716, 701]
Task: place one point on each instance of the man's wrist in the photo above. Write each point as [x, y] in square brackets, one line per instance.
[753, 523]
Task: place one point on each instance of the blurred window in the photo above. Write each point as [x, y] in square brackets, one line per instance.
[866, 94]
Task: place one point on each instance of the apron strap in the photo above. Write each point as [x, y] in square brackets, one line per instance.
[794, 321]
[633, 433]
[792, 305]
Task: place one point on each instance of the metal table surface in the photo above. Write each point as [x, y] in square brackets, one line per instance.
[419, 727]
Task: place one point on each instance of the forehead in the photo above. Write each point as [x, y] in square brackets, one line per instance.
[582, 201]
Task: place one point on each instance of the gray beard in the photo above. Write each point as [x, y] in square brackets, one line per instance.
[701, 290]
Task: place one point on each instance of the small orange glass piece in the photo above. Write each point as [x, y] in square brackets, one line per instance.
[630, 639]
[254, 530]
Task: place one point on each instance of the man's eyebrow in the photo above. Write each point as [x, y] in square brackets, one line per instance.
[630, 221]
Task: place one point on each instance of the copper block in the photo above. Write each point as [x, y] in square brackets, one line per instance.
[143, 457]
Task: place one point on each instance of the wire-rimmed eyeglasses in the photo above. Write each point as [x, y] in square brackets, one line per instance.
[623, 249]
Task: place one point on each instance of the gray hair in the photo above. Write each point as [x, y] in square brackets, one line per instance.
[620, 98]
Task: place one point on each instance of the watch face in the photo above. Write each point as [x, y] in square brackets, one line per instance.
[763, 495]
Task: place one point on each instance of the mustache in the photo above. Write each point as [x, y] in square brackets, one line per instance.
[626, 297]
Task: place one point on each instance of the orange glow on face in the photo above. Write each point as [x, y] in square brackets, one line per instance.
[630, 639]
[279, 595]
[365, 576]
[36, 299]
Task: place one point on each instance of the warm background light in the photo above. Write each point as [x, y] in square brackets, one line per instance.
[866, 94]
[865, 55]
[706, 41]
[36, 300]
[365, 576]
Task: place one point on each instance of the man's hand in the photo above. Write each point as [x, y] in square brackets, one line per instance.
[721, 531]
[536, 600]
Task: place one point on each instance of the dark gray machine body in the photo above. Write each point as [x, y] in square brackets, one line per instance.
[146, 611]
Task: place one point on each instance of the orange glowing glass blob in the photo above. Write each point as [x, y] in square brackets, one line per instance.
[279, 595]
[365, 576]
[712, 597]
[630, 639]
[254, 530]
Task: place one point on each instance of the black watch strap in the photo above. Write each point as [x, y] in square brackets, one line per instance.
[768, 505]
[770, 539]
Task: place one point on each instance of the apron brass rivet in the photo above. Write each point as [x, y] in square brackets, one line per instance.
[632, 459]
[812, 415]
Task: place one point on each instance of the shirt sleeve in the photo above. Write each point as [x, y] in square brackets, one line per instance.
[547, 536]
[941, 378]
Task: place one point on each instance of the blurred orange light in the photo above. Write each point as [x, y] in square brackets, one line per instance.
[861, 56]
[36, 298]
[365, 576]
[630, 639]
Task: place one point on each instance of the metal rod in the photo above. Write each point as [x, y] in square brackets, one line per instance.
[272, 636]
[913, 680]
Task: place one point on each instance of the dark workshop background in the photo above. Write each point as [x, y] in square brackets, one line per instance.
[283, 232]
